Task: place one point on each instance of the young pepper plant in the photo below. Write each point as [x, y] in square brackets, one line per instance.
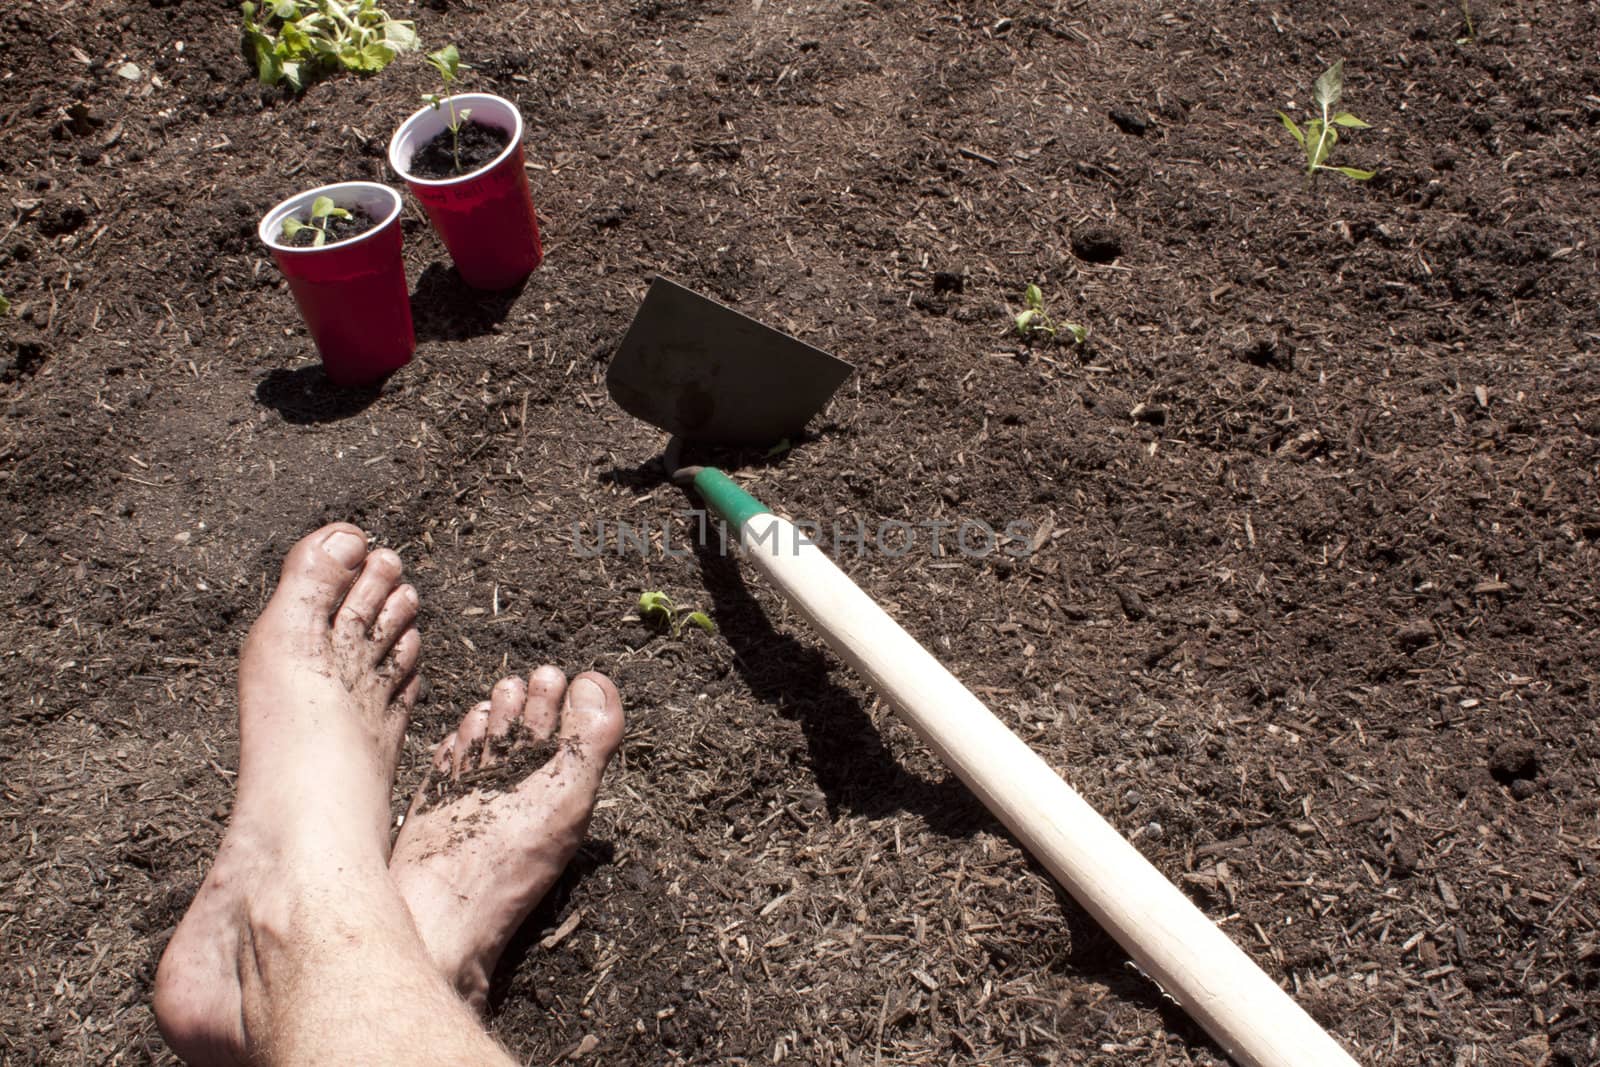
[323, 209]
[1034, 321]
[447, 61]
[657, 609]
[1321, 134]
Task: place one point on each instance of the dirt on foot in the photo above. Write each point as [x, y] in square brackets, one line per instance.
[516, 755]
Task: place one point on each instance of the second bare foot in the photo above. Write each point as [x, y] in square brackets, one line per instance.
[503, 811]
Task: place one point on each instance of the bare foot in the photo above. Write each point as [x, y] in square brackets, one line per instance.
[326, 682]
[505, 808]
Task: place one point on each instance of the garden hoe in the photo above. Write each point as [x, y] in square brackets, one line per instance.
[704, 372]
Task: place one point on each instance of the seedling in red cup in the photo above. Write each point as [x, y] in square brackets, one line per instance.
[314, 233]
[339, 248]
[484, 216]
[447, 61]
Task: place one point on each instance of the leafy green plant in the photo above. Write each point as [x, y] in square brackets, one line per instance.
[1034, 321]
[323, 209]
[447, 61]
[298, 41]
[1321, 134]
[658, 610]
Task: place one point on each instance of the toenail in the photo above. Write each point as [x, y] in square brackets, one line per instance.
[347, 548]
[587, 696]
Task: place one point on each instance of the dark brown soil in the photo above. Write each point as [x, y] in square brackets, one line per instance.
[1322, 640]
[471, 148]
[337, 228]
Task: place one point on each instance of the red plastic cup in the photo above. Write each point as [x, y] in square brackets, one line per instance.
[486, 218]
[351, 293]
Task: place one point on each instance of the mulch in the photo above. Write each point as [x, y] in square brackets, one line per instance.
[1310, 609]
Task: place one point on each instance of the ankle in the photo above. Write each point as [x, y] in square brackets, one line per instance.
[314, 896]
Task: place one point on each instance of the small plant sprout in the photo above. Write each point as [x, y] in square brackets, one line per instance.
[657, 609]
[1321, 134]
[1471, 34]
[447, 61]
[323, 209]
[1033, 321]
[5, 305]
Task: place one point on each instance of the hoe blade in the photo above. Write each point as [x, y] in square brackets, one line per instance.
[704, 372]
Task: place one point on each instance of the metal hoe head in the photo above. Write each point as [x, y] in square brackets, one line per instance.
[704, 372]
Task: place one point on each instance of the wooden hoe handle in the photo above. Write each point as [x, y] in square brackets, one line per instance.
[1171, 940]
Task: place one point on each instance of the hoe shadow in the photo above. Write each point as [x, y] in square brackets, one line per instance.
[590, 857]
[1094, 952]
[307, 396]
[851, 764]
[643, 478]
[650, 474]
[445, 308]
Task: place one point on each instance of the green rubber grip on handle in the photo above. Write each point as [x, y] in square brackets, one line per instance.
[726, 498]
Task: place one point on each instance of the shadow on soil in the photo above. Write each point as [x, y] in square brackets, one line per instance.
[307, 396]
[852, 766]
[1092, 951]
[589, 858]
[652, 472]
[445, 308]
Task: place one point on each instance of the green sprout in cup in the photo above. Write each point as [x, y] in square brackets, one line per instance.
[323, 210]
[447, 61]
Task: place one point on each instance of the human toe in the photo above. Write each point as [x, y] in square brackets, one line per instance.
[444, 754]
[468, 749]
[541, 712]
[399, 672]
[505, 704]
[592, 720]
[319, 569]
[399, 611]
[358, 613]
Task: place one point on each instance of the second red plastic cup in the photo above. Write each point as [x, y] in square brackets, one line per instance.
[351, 293]
[486, 219]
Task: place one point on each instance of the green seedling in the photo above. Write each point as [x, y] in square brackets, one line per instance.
[1466, 17]
[447, 61]
[298, 41]
[658, 610]
[1034, 321]
[323, 209]
[5, 305]
[1321, 134]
